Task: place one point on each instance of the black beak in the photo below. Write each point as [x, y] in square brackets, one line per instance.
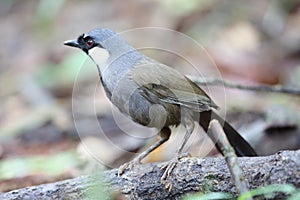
[72, 43]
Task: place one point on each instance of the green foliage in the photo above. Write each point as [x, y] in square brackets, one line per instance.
[268, 191]
[295, 195]
[46, 12]
[98, 190]
[183, 7]
[208, 184]
[52, 165]
[53, 75]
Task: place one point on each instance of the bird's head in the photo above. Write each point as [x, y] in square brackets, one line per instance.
[95, 38]
[105, 46]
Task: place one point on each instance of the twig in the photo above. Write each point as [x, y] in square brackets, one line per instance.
[216, 132]
[257, 88]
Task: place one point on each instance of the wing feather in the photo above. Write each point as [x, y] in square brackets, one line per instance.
[158, 82]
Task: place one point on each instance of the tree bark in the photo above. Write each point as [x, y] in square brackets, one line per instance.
[190, 175]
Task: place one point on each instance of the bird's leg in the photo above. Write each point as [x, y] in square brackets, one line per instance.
[164, 136]
[169, 167]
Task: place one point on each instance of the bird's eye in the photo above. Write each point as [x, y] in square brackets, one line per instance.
[90, 43]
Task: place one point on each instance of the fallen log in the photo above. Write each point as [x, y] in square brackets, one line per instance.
[191, 175]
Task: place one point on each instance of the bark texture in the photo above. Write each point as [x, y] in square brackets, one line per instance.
[190, 175]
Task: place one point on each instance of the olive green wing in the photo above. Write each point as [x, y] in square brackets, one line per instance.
[160, 83]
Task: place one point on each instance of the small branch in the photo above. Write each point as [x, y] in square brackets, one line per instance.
[257, 88]
[190, 175]
[216, 132]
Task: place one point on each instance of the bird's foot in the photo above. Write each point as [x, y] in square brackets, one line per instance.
[168, 169]
[128, 166]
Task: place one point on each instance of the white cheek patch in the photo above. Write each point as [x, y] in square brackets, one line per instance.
[99, 55]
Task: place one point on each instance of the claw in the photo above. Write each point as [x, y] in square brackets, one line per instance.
[128, 166]
[168, 169]
[167, 184]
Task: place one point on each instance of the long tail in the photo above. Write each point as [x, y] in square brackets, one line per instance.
[240, 145]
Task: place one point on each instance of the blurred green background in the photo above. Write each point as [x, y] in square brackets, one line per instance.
[251, 42]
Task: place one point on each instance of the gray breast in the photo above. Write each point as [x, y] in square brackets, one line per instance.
[124, 93]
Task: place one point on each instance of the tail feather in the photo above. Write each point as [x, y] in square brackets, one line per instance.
[240, 145]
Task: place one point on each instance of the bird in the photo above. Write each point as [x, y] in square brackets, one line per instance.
[152, 94]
